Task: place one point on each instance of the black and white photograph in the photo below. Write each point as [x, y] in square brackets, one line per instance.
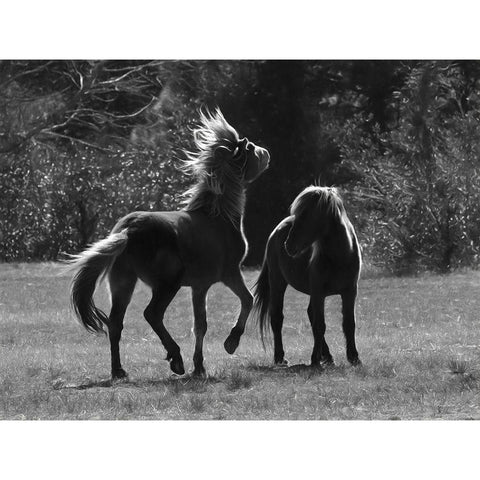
[241, 240]
[278, 239]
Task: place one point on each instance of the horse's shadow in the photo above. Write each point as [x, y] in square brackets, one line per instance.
[297, 368]
[184, 382]
[305, 370]
[191, 382]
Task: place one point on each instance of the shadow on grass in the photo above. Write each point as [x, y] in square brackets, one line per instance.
[307, 371]
[281, 369]
[61, 385]
[235, 379]
[178, 384]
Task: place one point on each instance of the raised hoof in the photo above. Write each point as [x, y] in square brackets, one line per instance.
[281, 363]
[176, 365]
[119, 374]
[231, 344]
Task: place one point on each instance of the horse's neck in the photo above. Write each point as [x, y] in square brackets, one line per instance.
[228, 206]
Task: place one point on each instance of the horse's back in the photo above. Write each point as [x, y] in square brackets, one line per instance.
[152, 250]
[191, 245]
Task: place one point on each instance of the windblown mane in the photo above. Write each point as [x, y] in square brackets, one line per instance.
[219, 189]
[315, 197]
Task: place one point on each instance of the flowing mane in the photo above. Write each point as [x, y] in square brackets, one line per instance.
[315, 197]
[219, 189]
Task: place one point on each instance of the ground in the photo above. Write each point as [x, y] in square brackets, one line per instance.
[418, 338]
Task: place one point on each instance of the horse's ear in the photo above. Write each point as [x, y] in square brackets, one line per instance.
[222, 154]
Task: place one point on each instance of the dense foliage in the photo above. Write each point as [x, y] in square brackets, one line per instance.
[84, 142]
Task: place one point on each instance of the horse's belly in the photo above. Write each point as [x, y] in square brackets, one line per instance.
[300, 285]
[337, 279]
[320, 276]
[193, 277]
[295, 273]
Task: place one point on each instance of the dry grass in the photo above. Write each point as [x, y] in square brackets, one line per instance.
[418, 338]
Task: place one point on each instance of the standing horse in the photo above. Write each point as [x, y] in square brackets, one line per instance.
[316, 251]
[197, 247]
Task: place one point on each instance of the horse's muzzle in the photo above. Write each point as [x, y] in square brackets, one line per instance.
[263, 156]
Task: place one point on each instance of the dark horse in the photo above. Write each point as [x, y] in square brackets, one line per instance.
[197, 247]
[316, 251]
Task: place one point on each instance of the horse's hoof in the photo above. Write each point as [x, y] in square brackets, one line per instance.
[231, 344]
[199, 373]
[328, 362]
[119, 374]
[176, 366]
[355, 362]
[316, 366]
[281, 363]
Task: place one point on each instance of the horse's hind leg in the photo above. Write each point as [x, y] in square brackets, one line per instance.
[348, 310]
[325, 355]
[278, 285]
[154, 313]
[199, 297]
[122, 280]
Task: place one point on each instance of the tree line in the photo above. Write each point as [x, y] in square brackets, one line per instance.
[84, 142]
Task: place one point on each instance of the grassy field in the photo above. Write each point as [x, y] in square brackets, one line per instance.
[418, 338]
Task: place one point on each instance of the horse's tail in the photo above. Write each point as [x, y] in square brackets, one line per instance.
[91, 265]
[261, 292]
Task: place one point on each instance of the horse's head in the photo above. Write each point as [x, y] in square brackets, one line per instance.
[313, 211]
[223, 158]
[242, 159]
[253, 160]
[223, 164]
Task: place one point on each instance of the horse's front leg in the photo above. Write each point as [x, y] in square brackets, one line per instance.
[238, 287]
[316, 310]
[348, 310]
[325, 356]
[199, 297]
